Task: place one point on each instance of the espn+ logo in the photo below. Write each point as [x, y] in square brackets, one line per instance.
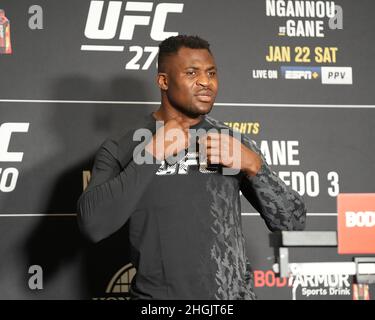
[360, 219]
[9, 176]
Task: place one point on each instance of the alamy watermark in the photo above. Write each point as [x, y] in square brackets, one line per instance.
[224, 147]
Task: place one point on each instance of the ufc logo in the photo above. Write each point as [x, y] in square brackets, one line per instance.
[360, 219]
[182, 167]
[9, 176]
[129, 22]
[6, 131]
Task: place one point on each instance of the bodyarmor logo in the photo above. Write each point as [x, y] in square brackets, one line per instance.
[360, 219]
[312, 286]
[129, 22]
[9, 176]
[321, 285]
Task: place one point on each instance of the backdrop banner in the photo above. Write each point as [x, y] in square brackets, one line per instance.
[297, 76]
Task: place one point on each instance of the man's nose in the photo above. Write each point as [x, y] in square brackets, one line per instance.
[203, 80]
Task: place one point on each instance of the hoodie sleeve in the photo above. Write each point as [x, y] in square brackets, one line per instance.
[279, 205]
[114, 190]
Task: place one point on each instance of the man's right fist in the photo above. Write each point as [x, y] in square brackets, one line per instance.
[170, 139]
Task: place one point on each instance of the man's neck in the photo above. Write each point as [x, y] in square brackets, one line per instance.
[166, 114]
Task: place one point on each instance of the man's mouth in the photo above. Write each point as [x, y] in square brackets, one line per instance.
[204, 96]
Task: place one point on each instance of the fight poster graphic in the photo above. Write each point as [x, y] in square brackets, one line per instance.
[302, 45]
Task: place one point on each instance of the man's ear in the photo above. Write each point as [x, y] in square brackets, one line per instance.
[162, 80]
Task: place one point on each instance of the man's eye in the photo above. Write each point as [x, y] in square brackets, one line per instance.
[190, 73]
[212, 73]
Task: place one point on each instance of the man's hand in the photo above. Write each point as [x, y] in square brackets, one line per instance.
[169, 139]
[229, 152]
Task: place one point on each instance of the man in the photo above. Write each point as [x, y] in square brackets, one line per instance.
[185, 220]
